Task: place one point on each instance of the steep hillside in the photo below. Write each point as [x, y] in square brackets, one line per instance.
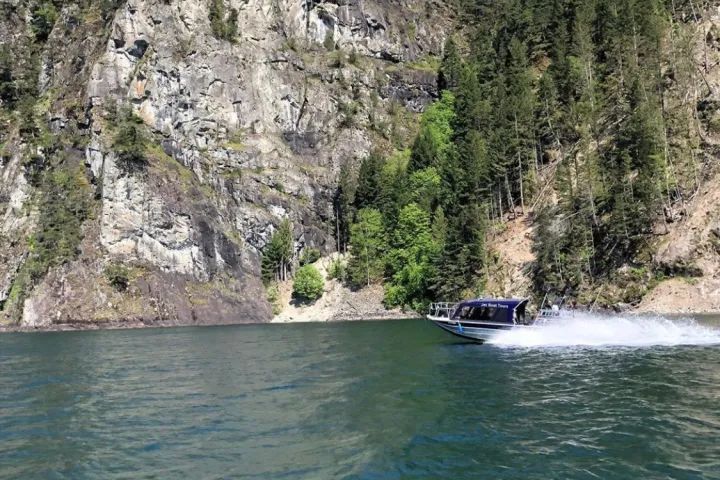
[571, 140]
[151, 147]
[170, 161]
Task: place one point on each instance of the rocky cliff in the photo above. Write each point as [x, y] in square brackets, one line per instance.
[237, 133]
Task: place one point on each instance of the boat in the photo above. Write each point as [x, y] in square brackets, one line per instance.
[481, 319]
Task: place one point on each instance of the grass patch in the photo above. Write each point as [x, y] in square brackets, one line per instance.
[429, 64]
[236, 142]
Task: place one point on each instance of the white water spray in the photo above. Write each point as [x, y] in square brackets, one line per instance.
[583, 329]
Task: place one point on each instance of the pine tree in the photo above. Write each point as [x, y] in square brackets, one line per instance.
[450, 68]
[369, 183]
[344, 206]
[410, 259]
[436, 134]
[278, 254]
[368, 247]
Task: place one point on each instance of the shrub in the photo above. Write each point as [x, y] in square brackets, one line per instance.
[224, 25]
[354, 59]
[309, 255]
[338, 59]
[273, 297]
[129, 142]
[43, 20]
[337, 270]
[118, 276]
[8, 90]
[348, 111]
[329, 42]
[308, 284]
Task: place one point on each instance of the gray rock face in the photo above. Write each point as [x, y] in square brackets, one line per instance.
[244, 134]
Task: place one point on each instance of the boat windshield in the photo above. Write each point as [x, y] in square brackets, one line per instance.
[483, 313]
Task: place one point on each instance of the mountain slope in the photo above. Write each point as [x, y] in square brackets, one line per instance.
[227, 136]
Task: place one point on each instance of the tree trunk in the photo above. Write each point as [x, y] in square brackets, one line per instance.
[337, 229]
[367, 258]
[509, 195]
[500, 204]
[520, 170]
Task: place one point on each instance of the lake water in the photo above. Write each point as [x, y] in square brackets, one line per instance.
[591, 398]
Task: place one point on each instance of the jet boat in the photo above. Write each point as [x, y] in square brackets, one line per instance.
[481, 319]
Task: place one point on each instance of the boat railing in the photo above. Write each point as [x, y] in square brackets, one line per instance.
[442, 309]
[548, 313]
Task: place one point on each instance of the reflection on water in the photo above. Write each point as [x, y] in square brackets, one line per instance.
[358, 400]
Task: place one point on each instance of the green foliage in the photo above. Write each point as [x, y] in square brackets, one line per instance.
[434, 141]
[369, 182]
[309, 255]
[424, 187]
[8, 90]
[393, 186]
[561, 104]
[329, 41]
[118, 275]
[354, 58]
[349, 111]
[273, 298]
[450, 67]
[64, 203]
[368, 245]
[344, 203]
[411, 259]
[338, 270]
[278, 254]
[338, 59]
[224, 23]
[130, 141]
[64, 206]
[44, 16]
[308, 283]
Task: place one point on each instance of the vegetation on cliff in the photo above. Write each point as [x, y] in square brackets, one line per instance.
[573, 111]
[308, 284]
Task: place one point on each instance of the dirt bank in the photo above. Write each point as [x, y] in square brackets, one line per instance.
[338, 303]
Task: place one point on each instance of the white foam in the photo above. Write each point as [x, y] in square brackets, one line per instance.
[584, 329]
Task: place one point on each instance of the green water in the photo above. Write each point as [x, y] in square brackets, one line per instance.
[376, 400]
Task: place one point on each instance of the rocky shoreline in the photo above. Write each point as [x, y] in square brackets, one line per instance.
[344, 316]
[139, 324]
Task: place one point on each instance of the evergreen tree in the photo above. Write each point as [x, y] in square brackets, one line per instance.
[369, 246]
[308, 284]
[436, 134]
[410, 259]
[369, 183]
[344, 201]
[449, 74]
[278, 254]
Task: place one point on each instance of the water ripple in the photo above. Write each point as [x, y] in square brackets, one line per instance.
[358, 401]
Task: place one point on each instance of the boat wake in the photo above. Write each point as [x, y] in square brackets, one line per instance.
[584, 329]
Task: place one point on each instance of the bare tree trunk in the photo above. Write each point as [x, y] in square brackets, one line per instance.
[520, 170]
[492, 210]
[522, 195]
[509, 195]
[500, 204]
[337, 228]
[367, 257]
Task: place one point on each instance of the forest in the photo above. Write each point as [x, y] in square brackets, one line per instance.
[574, 113]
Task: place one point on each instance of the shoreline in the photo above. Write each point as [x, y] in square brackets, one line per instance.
[139, 325]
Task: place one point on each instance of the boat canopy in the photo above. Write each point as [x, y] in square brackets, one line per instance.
[492, 310]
